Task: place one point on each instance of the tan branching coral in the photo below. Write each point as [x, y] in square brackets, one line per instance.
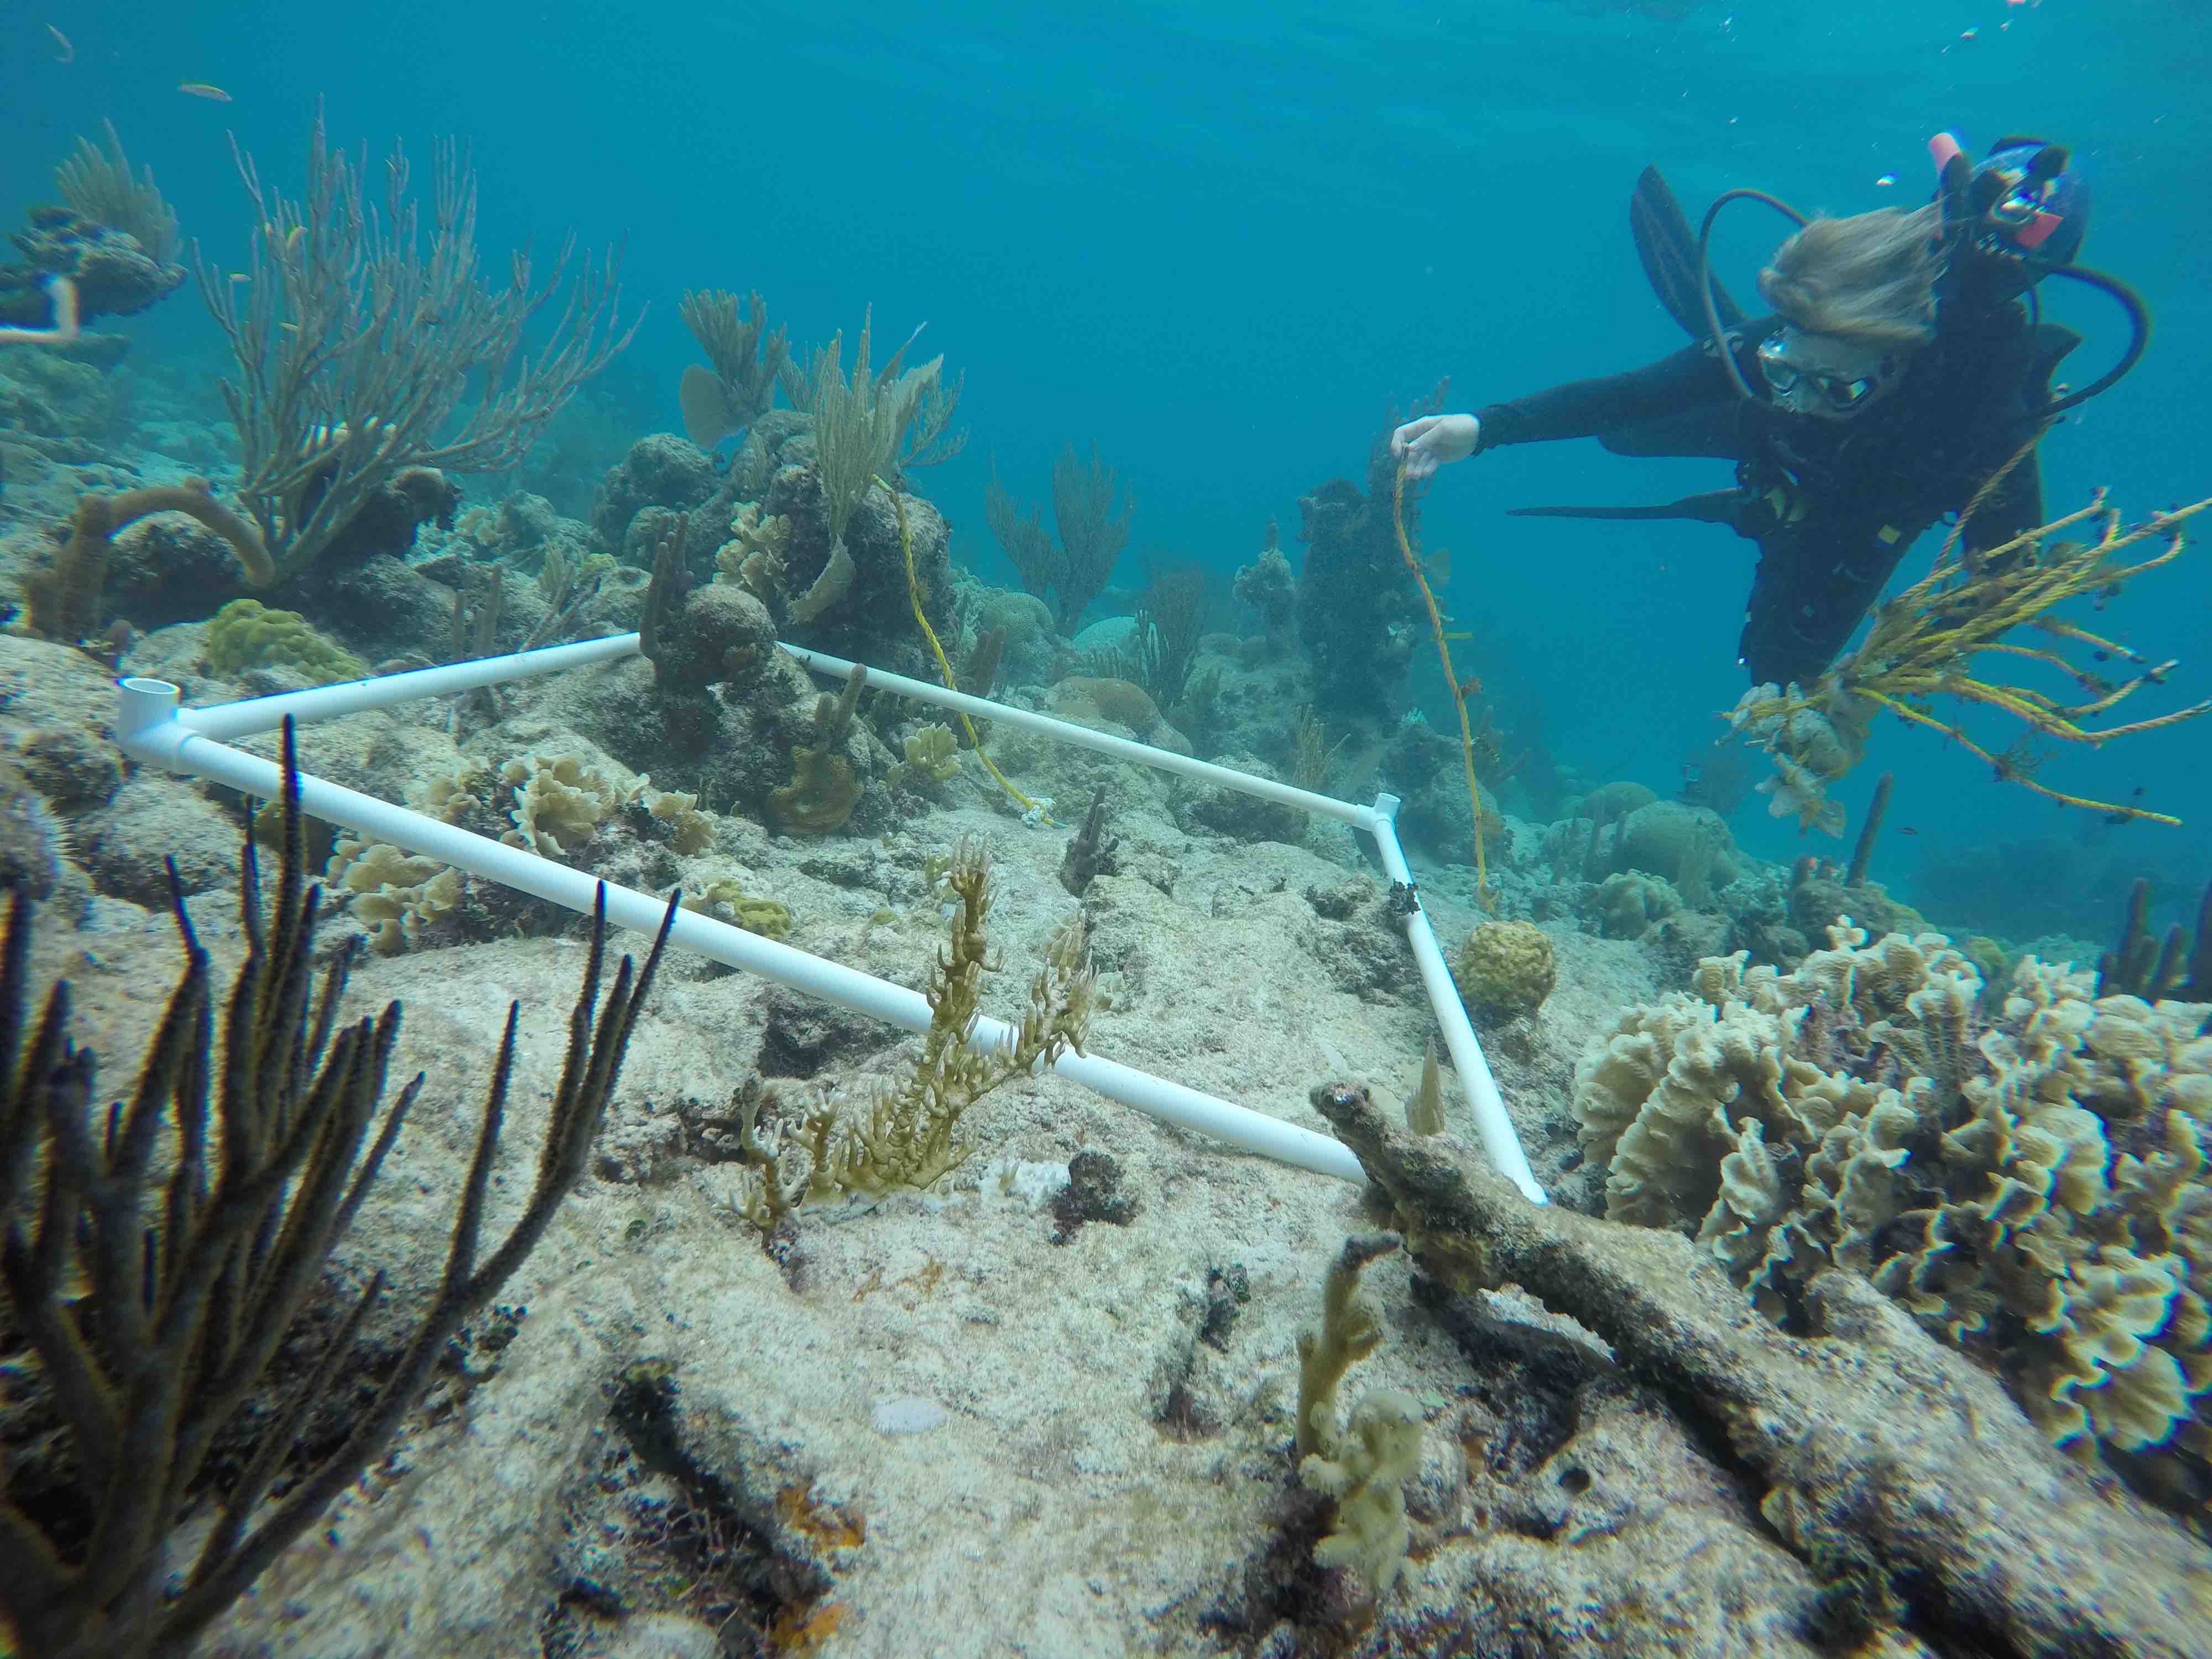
[2026, 1175]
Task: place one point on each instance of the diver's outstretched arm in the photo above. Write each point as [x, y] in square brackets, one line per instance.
[1586, 409]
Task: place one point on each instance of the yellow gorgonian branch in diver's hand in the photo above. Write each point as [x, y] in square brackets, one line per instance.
[1925, 643]
[1459, 688]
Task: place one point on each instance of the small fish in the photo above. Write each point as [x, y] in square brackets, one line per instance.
[1886, 181]
[69, 52]
[1969, 34]
[1906, 829]
[202, 90]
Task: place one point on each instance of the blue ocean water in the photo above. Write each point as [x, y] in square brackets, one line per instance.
[1220, 239]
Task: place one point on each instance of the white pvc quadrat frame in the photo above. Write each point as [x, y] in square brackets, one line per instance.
[153, 729]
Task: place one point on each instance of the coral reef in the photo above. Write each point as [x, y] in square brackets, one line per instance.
[330, 430]
[2024, 1173]
[1357, 603]
[113, 246]
[1268, 585]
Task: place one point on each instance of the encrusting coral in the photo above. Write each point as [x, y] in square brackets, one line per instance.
[2025, 1172]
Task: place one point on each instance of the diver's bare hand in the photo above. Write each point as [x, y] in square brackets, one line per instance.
[1426, 444]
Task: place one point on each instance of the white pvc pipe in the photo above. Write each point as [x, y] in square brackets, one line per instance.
[1082, 737]
[1492, 1120]
[229, 720]
[149, 729]
[149, 717]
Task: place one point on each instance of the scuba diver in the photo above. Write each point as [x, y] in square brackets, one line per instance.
[1903, 376]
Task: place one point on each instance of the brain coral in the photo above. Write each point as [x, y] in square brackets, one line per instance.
[2026, 1173]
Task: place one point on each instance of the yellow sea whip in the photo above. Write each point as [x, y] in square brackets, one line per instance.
[1459, 692]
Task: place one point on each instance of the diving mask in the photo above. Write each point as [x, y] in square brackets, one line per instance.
[1821, 374]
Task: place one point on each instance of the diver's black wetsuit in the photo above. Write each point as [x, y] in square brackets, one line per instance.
[1833, 505]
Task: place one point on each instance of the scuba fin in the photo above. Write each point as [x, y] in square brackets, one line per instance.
[1714, 506]
[1668, 248]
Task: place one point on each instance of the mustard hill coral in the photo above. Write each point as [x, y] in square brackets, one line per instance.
[726, 900]
[1505, 970]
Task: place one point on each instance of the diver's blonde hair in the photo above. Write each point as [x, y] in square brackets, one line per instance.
[1869, 278]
